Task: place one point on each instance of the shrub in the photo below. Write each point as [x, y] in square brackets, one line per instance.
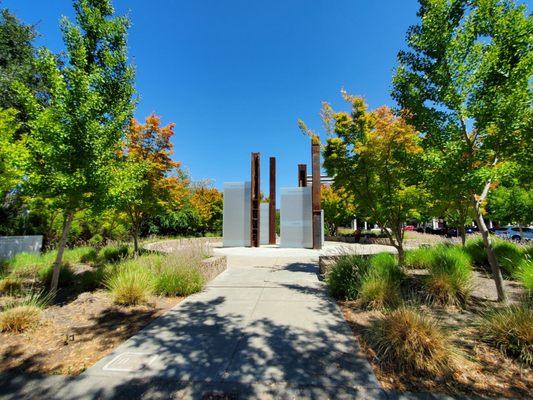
[27, 265]
[449, 280]
[178, 281]
[345, 277]
[10, 285]
[407, 341]
[19, 318]
[113, 253]
[380, 285]
[25, 314]
[509, 254]
[82, 254]
[524, 274]
[66, 275]
[420, 258]
[510, 329]
[130, 283]
[96, 240]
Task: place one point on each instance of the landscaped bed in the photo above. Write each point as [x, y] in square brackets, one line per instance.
[106, 296]
[434, 325]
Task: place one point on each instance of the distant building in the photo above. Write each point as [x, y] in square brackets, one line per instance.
[324, 180]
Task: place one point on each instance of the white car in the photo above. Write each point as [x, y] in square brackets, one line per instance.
[512, 232]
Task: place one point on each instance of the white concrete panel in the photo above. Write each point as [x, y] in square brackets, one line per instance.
[296, 217]
[263, 223]
[10, 246]
[236, 214]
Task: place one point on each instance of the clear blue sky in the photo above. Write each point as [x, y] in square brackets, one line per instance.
[236, 75]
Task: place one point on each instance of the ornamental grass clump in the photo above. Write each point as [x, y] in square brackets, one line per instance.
[130, 283]
[508, 254]
[380, 285]
[407, 341]
[524, 274]
[450, 275]
[420, 258]
[511, 330]
[10, 285]
[25, 314]
[344, 279]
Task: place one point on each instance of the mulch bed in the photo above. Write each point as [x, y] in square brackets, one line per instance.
[483, 370]
[76, 334]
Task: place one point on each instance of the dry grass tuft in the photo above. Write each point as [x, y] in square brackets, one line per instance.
[19, 318]
[407, 341]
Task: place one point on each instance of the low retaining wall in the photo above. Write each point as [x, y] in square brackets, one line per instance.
[10, 246]
[213, 266]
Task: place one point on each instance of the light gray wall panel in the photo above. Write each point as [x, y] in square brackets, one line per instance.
[236, 214]
[296, 217]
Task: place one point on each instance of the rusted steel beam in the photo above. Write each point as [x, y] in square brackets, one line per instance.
[316, 195]
[255, 199]
[272, 204]
[302, 175]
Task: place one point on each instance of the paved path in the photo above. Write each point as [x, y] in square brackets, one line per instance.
[265, 328]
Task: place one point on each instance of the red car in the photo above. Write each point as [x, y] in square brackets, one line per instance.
[409, 228]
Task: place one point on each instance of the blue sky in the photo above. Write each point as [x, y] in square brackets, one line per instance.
[236, 75]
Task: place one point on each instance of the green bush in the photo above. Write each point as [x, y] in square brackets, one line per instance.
[409, 342]
[113, 253]
[66, 275]
[420, 258]
[380, 285]
[96, 240]
[511, 330]
[345, 276]
[524, 274]
[450, 274]
[509, 254]
[28, 265]
[130, 283]
[178, 281]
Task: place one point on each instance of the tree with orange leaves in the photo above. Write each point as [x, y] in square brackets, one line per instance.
[148, 180]
[207, 201]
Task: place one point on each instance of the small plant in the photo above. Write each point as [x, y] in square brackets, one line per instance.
[524, 274]
[81, 254]
[178, 281]
[449, 280]
[420, 258]
[407, 341]
[510, 329]
[345, 277]
[113, 253]
[130, 283]
[476, 250]
[380, 285]
[25, 314]
[509, 255]
[27, 265]
[10, 285]
[66, 275]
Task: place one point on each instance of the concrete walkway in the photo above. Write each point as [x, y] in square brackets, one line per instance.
[265, 328]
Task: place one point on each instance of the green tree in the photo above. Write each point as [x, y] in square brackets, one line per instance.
[374, 156]
[465, 81]
[512, 205]
[76, 133]
[13, 153]
[338, 206]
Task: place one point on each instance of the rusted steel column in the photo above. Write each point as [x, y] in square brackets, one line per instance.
[272, 204]
[316, 195]
[255, 199]
[302, 175]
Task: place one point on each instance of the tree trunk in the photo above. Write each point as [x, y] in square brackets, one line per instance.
[135, 242]
[521, 230]
[493, 261]
[59, 258]
[462, 231]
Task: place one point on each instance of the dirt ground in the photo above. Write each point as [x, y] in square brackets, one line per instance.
[482, 370]
[76, 334]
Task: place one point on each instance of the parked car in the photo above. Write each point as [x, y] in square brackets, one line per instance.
[512, 232]
[409, 228]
